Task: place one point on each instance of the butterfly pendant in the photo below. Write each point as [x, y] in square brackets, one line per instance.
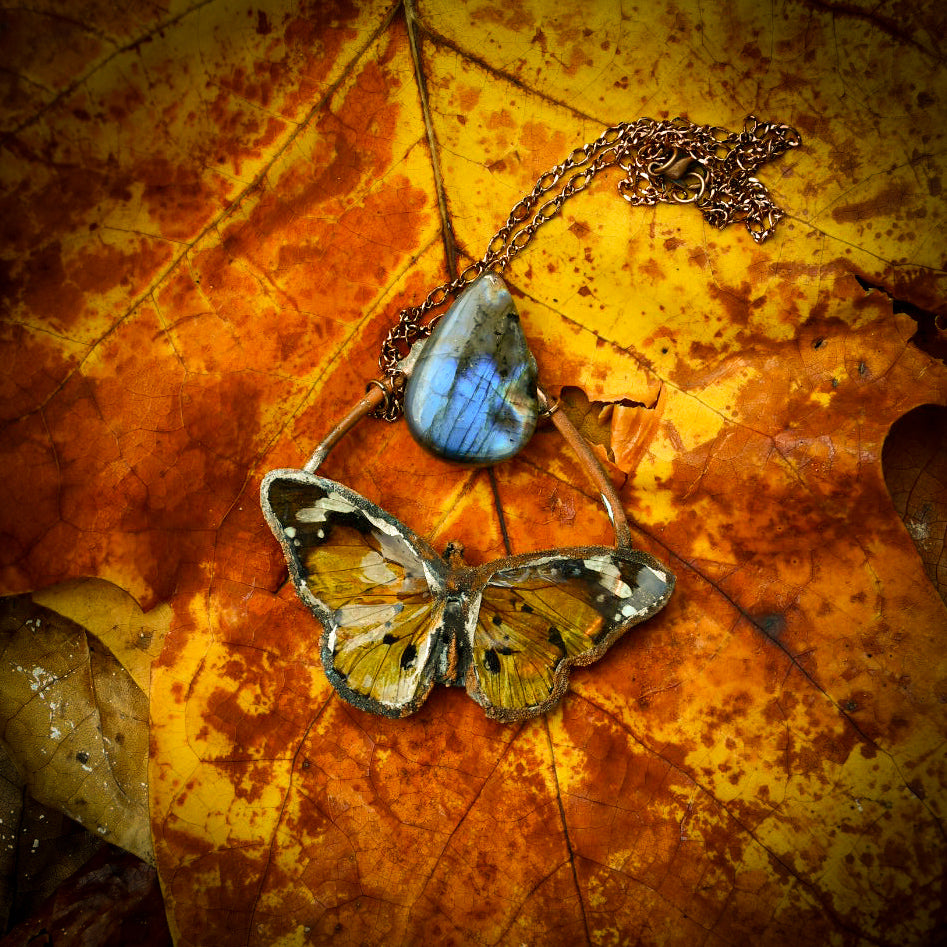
[399, 618]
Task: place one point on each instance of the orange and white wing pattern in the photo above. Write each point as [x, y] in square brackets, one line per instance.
[377, 588]
[541, 614]
[397, 619]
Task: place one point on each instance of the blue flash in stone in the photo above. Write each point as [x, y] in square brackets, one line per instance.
[472, 395]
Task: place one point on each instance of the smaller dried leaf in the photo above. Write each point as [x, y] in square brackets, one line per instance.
[591, 418]
[915, 468]
[75, 723]
[11, 806]
[115, 618]
[45, 848]
[114, 899]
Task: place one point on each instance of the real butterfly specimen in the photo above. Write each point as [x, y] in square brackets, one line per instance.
[398, 618]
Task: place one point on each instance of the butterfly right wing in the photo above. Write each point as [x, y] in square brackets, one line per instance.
[540, 614]
[377, 588]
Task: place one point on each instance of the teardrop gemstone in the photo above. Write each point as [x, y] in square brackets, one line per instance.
[472, 395]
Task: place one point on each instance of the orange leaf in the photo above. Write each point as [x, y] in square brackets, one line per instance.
[211, 219]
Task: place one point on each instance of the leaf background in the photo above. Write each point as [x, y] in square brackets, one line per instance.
[211, 213]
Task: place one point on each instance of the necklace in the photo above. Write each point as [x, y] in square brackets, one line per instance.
[398, 617]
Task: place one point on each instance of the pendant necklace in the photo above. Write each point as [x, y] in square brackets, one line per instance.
[397, 616]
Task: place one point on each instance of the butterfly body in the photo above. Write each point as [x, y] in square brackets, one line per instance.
[398, 618]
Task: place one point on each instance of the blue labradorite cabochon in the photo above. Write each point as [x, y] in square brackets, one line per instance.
[472, 395]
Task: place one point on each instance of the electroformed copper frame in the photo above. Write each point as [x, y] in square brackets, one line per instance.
[378, 392]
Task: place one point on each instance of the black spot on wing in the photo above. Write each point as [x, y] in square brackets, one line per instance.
[526, 608]
[389, 639]
[497, 620]
[555, 638]
[491, 661]
[408, 657]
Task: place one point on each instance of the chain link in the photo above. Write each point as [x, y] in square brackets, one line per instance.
[674, 162]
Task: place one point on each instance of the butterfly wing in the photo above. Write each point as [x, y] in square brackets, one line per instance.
[377, 588]
[541, 614]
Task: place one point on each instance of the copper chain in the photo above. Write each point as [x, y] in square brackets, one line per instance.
[673, 162]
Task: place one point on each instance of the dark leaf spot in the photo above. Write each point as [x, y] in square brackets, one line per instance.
[917, 788]
[772, 625]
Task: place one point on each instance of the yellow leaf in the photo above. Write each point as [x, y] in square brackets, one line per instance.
[213, 217]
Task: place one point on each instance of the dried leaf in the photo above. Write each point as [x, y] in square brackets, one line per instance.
[134, 637]
[11, 807]
[213, 216]
[40, 848]
[915, 465]
[75, 723]
[591, 418]
[113, 900]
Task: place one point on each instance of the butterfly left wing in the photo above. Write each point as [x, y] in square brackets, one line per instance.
[376, 586]
[541, 614]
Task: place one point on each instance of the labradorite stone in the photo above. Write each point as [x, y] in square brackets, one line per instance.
[472, 395]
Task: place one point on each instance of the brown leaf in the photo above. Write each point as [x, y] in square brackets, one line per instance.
[112, 901]
[39, 849]
[75, 723]
[134, 637]
[915, 466]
